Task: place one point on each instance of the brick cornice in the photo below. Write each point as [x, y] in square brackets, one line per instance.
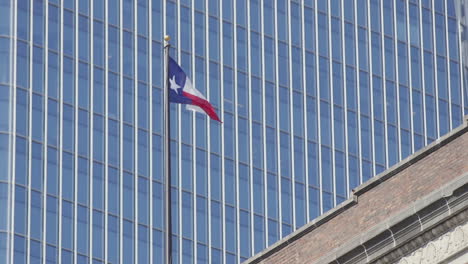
[445, 249]
[412, 159]
[428, 219]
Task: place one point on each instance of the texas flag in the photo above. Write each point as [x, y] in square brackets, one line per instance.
[182, 92]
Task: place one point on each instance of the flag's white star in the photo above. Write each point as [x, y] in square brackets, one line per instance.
[174, 85]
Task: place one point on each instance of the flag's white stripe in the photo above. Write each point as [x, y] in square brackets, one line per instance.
[188, 88]
[194, 108]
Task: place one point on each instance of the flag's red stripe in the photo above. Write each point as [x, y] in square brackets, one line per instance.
[203, 104]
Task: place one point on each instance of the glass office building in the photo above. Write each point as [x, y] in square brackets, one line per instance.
[316, 97]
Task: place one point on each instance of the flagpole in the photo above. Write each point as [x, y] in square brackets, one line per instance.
[167, 156]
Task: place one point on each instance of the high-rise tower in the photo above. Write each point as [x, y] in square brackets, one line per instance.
[315, 97]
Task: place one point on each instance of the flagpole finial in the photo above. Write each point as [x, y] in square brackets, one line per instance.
[167, 37]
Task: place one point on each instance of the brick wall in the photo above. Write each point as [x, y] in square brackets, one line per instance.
[382, 201]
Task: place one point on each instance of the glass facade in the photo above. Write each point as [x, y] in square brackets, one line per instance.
[316, 97]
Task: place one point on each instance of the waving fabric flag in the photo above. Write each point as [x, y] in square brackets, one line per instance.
[183, 92]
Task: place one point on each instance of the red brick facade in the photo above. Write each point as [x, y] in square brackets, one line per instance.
[442, 162]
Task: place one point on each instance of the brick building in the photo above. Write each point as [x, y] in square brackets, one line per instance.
[415, 212]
